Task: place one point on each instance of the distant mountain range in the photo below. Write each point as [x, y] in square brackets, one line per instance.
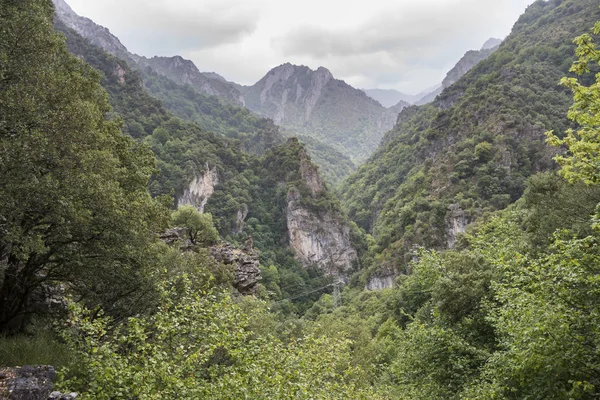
[302, 101]
[314, 103]
[391, 97]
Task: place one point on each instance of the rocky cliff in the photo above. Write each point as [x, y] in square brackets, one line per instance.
[318, 237]
[245, 260]
[176, 68]
[315, 103]
[96, 34]
[200, 189]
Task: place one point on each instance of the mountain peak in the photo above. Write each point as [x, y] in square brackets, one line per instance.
[491, 43]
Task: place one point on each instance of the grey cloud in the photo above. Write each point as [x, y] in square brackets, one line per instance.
[396, 30]
[156, 27]
[408, 45]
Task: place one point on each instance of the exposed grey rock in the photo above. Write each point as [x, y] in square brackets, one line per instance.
[456, 223]
[466, 63]
[30, 382]
[380, 282]
[174, 235]
[315, 103]
[240, 217]
[246, 260]
[200, 189]
[491, 43]
[318, 238]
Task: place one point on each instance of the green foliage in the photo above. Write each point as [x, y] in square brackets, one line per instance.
[201, 346]
[41, 348]
[211, 114]
[583, 145]
[74, 204]
[200, 227]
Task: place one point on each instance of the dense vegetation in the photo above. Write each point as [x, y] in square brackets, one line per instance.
[475, 146]
[510, 312]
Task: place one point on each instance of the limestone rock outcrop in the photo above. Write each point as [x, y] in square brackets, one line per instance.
[456, 223]
[380, 282]
[318, 237]
[245, 259]
[247, 273]
[200, 189]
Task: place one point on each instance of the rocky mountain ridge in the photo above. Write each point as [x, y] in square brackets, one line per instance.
[176, 68]
[316, 104]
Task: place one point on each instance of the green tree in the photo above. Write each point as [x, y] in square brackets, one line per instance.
[200, 227]
[201, 345]
[582, 163]
[74, 204]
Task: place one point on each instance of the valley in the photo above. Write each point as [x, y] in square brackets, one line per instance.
[168, 233]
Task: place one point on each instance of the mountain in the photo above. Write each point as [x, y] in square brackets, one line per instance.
[464, 65]
[251, 180]
[491, 43]
[467, 62]
[470, 151]
[390, 97]
[185, 72]
[176, 68]
[316, 104]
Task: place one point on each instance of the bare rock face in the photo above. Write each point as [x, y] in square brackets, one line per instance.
[246, 259]
[310, 174]
[247, 274]
[319, 239]
[200, 189]
[96, 34]
[456, 223]
[30, 382]
[313, 102]
[380, 282]
[240, 218]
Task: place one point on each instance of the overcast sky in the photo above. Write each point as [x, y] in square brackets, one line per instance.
[407, 45]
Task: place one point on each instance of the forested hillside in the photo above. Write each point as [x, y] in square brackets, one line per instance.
[470, 152]
[195, 252]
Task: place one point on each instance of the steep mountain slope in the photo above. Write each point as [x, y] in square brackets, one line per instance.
[464, 65]
[470, 151]
[316, 104]
[129, 99]
[180, 70]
